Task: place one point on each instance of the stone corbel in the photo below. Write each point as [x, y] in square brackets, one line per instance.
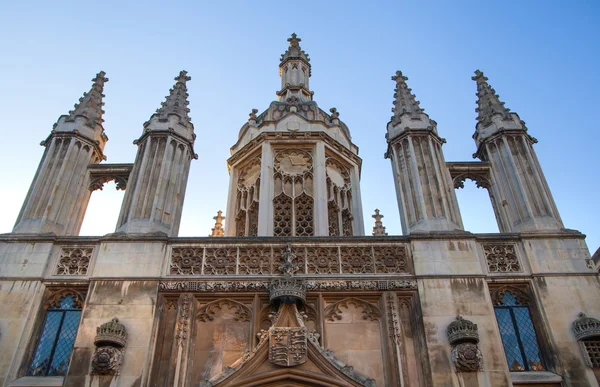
[110, 340]
[463, 337]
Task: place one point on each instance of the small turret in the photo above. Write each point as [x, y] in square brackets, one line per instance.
[295, 72]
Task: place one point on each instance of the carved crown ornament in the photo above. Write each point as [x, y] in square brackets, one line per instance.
[586, 327]
[464, 336]
[110, 339]
[461, 330]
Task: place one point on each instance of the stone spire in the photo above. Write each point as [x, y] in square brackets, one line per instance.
[378, 229]
[155, 192]
[90, 105]
[404, 100]
[59, 193]
[176, 102]
[295, 71]
[521, 197]
[426, 197]
[218, 230]
[488, 101]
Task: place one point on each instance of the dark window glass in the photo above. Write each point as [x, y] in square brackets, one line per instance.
[518, 334]
[51, 356]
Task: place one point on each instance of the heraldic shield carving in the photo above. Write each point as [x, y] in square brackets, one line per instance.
[287, 346]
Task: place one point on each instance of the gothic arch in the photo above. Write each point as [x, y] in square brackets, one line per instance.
[370, 311]
[208, 311]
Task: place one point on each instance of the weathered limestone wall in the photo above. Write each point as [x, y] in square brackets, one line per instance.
[443, 298]
[133, 302]
[26, 259]
[19, 302]
[561, 299]
[130, 259]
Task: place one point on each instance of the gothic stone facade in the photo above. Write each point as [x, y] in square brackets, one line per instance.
[289, 292]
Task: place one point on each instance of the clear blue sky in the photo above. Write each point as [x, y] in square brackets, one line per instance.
[540, 56]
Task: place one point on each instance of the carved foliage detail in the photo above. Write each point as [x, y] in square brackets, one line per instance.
[334, 311]
[208, 311]
[74, 261]
[501, 258]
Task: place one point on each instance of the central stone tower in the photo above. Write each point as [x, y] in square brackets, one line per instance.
[294, 170]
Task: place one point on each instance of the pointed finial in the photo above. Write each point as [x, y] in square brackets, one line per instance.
[378, 229]
[488, 101]
[404, 101]
[183, 77]
[218, 231]
[90, 105]
[176, 102]
[294, 40]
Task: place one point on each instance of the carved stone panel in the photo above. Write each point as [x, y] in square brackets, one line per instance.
[467, 357]
[220, 261]
[356, 260]
[322, 260]
[255, 260]
[501, 258]
[287, 346]
[186, 261]
[74, 261]
[390, 259]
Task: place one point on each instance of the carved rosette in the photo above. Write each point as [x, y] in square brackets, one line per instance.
[110, 339]
[463, 337]
[467, 357]
[287, 346]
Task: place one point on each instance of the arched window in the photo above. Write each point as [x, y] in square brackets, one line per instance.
[519, 338]
[57, 336]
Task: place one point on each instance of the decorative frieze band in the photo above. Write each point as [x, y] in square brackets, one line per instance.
[259, 286]
[264, 260]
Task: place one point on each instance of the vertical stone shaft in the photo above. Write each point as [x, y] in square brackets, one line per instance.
[155, 193]
[59, 194]
[426, 197]
[521, 194]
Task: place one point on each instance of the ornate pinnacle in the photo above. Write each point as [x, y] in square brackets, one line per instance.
[378, 229]
[488, 101]
[90, 105]
[294, 51]
[404, 100]
[176, 102]
[218, 231]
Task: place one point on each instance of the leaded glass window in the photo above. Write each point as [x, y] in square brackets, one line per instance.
[519, 339]
[57, 336]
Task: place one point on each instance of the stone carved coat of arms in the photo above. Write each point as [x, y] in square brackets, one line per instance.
[287, 346]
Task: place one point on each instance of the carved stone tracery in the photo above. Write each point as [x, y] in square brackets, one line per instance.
[339, 198]
[501, 258]
[293, 202]
[248, 198]
[207, 312]
[74, 261]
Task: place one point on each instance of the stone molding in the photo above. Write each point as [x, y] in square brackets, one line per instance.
[260, 286]
[372, 258]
